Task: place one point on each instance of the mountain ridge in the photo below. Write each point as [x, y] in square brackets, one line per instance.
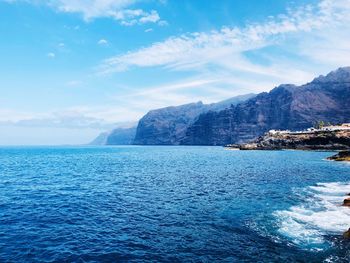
[243, 118]
[167, 126]
[285, 107]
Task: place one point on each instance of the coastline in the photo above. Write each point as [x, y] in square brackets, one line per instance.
[329, 138]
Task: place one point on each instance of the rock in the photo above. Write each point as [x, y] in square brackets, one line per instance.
[346, 234]
[346, 202]
[232, 146]
[319, 140]
[248, 146]
[341, 156]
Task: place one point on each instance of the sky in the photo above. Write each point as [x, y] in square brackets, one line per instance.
[71, 69]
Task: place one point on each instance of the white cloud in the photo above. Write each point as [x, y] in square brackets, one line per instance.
[163, 23]
[130, 17]
[51, 55]
[74, 83]
[91, 9]
[151, 17]
[148, 30]
[103, 42]
[77, 117]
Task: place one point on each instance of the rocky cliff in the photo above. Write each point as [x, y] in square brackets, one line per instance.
[118, 136]
[290, 107]
[168, 126]
[121, 136]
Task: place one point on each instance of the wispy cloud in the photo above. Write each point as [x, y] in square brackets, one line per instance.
[226, 47]
[130, 17]
[103, 42]
[102, 118]
[51, 55]
[91, 9]
[73, 83]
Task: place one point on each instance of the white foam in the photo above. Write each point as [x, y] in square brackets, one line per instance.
[320, 215]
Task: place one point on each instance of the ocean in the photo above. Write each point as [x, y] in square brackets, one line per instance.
[171, 204]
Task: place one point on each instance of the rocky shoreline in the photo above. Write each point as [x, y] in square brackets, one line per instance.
[305, 140]
[318, 140]
[346, 202]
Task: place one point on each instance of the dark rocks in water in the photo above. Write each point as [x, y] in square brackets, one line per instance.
[341, 156]
[318, 140]
[168, 126]
[346, 234]
[289, 107]
[346, 202]
[248, 146]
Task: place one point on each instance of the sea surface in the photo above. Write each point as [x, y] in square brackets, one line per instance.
[171, 204]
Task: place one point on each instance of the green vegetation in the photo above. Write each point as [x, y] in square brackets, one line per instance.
[321, 124]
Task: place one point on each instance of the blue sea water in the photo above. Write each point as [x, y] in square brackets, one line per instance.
[171, 204]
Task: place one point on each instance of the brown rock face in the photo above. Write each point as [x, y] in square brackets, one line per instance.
[346, 202]
[346, 234]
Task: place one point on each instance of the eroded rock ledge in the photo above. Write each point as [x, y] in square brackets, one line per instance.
[341, 156]
[318, 140]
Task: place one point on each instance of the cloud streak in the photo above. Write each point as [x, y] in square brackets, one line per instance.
[200, 49]
[102, 118]
[91, 9]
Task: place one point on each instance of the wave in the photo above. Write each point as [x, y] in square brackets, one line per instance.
[318, 217]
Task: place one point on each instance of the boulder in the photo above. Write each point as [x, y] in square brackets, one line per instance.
[346, 234]
[346, 202]
[341, 156]
[248, 146]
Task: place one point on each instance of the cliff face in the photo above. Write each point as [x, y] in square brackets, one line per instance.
[118, 136]
[100, 139]
[291, 107]
[121, 136]
[168, 126]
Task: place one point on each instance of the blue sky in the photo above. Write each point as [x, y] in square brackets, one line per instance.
[72, 68]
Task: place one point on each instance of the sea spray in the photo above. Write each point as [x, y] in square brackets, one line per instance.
[318, 217]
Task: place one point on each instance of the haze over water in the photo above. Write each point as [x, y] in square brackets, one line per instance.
[138, 204]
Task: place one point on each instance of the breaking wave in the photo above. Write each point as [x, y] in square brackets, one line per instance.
[318, 217]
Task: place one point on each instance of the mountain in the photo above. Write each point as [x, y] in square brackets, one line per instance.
[122, 135]
[168, 126]
[290, 107]
[100, 139]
